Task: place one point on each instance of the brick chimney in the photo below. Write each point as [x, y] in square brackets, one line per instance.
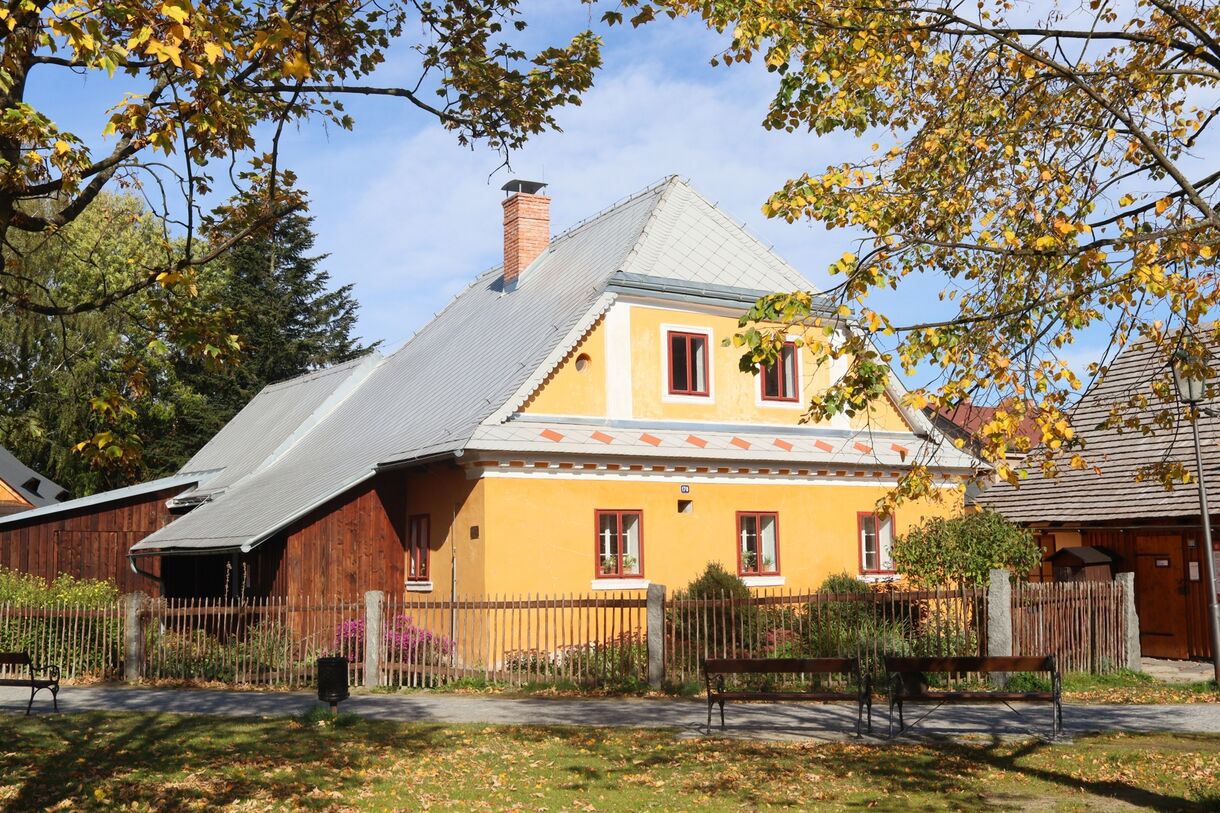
[527, 227]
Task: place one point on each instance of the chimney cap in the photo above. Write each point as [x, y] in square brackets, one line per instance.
[523, 187]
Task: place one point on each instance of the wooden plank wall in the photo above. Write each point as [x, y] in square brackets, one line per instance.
[354, 543]
[91, 542]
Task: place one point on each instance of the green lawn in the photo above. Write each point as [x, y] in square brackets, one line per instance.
[162, 762]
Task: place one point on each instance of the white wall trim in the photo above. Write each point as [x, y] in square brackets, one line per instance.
[878, 578]
[686, 477]
[619, 584]
[617, 337]
[763, 581]
[419, 587]
[666, 396]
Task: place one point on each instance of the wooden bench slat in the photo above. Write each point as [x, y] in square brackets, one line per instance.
[979, 695]
[14, 659]
[724, 666]
[792, 696]
[970, 664]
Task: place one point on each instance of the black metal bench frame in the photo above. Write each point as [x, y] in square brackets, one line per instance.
[715, 670]
[33, 683]
[899, 670]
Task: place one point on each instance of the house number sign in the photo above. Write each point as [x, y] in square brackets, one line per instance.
[684, 488]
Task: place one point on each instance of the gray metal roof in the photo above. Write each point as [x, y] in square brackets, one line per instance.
[1110, 489]
[473, 361]
[279, 416]
[36, 489]
[106, 497]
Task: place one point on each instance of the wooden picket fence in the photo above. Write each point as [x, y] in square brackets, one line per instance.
[266, 641]
[793, 624]
[1084, 624]
[583, 640]
[85, 642]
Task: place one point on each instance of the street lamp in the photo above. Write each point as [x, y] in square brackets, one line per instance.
[1192, 389]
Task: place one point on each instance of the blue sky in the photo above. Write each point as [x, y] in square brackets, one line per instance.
[409, 217]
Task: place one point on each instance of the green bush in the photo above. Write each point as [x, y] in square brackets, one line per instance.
[725, 630]
[26, 590]
[964, 550]
[715, 583]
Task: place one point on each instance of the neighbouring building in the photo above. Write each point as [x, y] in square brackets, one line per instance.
[1138, 525]
[570, 422]
[22, 488]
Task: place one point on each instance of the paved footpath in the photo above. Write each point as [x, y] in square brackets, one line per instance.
[689, 716]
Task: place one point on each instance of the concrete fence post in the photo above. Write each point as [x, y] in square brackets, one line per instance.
[999, 619]
[655, 624]
[374, 637]
[133, 636]
[1127, 580]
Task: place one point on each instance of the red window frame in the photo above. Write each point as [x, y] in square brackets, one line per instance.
[598, 573]
[419, 530]
[781, 380]
[758, 515]
[690, 376]
[877, 519]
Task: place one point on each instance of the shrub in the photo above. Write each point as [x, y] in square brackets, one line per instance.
[720, 628]
[964, 550]
[403, 641]
[843, 584]
[715, 582]
[27, 590]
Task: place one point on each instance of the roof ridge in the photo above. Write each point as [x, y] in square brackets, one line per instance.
[312, 375]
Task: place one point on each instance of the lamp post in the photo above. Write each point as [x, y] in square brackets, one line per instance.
[1191, 391]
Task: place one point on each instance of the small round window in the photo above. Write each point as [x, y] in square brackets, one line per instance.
[582, 362]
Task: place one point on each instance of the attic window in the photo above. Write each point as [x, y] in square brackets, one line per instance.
[779, 380]
[687, 363]
[31, 485]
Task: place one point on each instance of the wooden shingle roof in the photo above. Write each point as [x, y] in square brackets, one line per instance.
[1110, 489]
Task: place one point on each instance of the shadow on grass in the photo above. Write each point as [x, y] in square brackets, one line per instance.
[174, 763]
[156, 760]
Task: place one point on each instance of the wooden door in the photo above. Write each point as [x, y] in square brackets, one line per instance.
[1160, 595]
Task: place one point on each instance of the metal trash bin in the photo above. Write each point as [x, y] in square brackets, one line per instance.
[332, 680]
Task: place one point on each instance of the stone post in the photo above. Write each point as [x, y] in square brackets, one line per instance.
[374, 637]
[999, 619]
[1127, 580]
[655, 623]
[133, 636]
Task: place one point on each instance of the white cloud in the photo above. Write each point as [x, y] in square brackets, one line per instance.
[412, 219]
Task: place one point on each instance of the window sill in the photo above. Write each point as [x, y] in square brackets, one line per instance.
[763, 581]
[878, 578]
[419, 587]
[619, 584]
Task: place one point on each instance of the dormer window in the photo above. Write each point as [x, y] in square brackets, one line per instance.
[688, 364]
[780, 379]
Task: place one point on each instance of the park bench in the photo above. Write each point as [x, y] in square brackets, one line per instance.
[907, 684]
[715, 670]
[31, 680]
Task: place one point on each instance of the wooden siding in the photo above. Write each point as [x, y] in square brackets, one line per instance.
[1133, 543]
[91, 542]
[354, 543]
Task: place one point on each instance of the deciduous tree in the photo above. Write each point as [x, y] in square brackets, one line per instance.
[1037, 173]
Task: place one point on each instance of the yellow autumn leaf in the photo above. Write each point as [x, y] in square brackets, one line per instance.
[1162, 205]
[62, 147]
[176, 12]
[297, 66]
[213, 52]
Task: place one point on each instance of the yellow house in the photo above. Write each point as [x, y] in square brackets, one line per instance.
[571, 422]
